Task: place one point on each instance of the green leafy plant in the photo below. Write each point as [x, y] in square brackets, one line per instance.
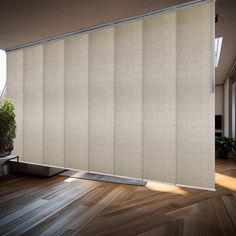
[7, 126]
[225, 144]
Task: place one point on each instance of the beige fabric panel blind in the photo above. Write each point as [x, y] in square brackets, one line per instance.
[101, 101]
[33, 104]
[15, 92]
[128, 99]
[159, 98]
[132, 100]
[53, 103]
[76, 102]
[195, 100]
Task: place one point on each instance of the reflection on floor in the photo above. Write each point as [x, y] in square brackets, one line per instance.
[70, 206]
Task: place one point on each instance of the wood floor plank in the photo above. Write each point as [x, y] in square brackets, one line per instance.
[59, 205]
[93, 211]
[223, 217]
[174, 228]
[42, 213]
[19, 213]
[62, 222]
[24, 196]
[230, 203]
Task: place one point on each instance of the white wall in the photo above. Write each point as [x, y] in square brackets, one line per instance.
[219, 100]
[226, 108]
[132, 100]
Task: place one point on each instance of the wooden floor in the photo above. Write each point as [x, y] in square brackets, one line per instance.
[68, 206]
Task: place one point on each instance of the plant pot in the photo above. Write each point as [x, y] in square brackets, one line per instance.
[4, 154]
[222, 154]
[4, 169]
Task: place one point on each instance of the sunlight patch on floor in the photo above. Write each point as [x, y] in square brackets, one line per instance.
[68, 180]
[159, 187]
[226, 181]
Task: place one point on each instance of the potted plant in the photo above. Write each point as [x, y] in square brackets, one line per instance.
[7, 127]
[224, 146]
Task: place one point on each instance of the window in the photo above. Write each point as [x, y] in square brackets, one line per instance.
[218, 44]
[2, 71]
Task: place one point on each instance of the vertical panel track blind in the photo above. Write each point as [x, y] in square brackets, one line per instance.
[130, 100]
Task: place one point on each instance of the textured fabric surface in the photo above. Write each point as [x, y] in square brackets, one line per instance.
[15, 92]
[128, 100]
[159, 98]
[33, 105]
[101, 101]
[132, 100]
[76, 102]
[53, 104]
[195, 101]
